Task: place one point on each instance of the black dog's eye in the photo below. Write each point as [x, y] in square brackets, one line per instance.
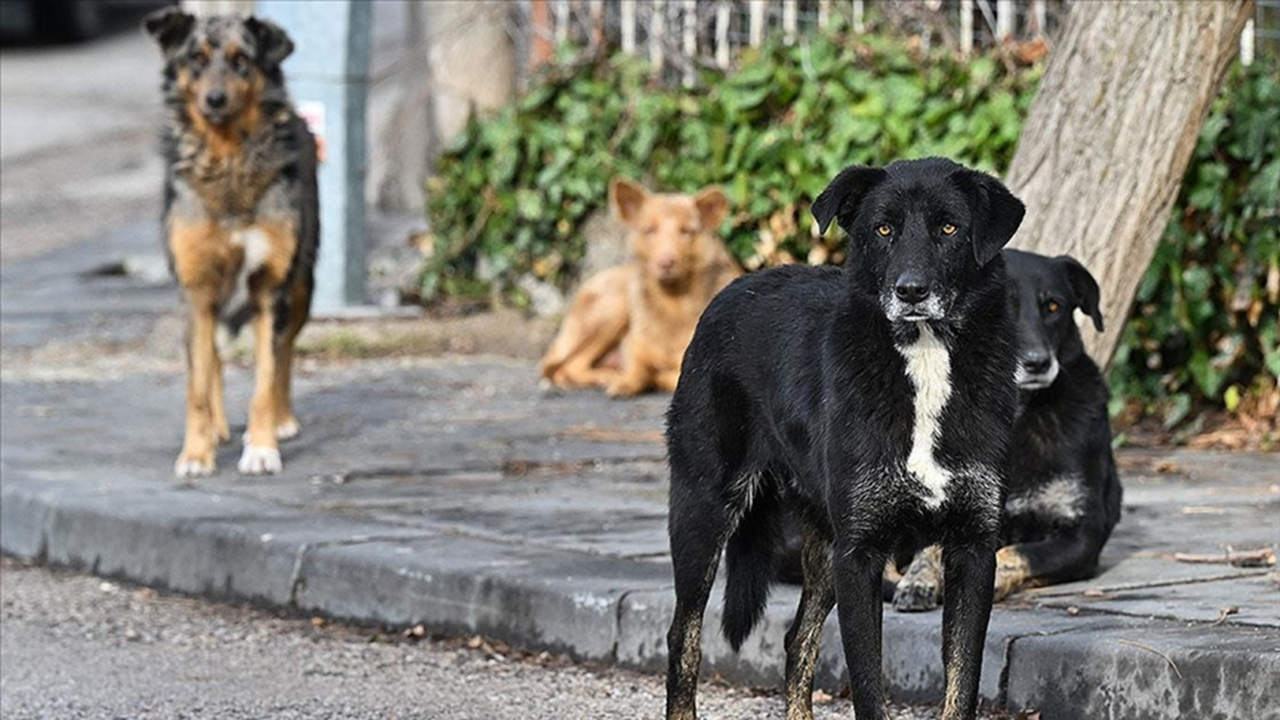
[948, 229]
[1052, 306]
[199, 61]
[884, 230]
[240, 64]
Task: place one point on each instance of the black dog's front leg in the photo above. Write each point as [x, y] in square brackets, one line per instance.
[969, 576]
[857, 580]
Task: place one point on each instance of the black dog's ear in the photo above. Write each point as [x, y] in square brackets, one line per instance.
[996, 213]
[274, 44]
[170, 27]
[1084, 287]
[841, 198]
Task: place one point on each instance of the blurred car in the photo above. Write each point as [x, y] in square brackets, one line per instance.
[64, 20]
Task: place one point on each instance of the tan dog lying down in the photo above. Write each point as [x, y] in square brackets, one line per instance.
[646, 309]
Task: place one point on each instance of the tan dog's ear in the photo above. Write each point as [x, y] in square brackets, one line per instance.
[713, 207]
[625, 199]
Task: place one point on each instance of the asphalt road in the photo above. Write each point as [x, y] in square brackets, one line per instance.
[74, 646]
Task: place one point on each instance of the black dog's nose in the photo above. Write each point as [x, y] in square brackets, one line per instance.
[910, 288]
[216, 99]
[1037, 362]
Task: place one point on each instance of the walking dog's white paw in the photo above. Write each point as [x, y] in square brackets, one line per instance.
[186, 468]
[288, 429]
[256, 460]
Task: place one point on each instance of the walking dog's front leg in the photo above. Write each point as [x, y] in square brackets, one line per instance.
[197, 457]
[969, 574]
[857, 580]
[261, 454]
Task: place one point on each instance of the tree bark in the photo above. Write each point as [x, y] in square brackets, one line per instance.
[1111, 131]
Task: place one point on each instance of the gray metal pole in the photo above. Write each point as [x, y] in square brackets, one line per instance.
[328, 79]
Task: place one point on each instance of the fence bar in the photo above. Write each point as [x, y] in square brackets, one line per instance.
[1006, 19]
[789, 21]
[859, 16]
[966, 27]
[540, 16]
[596, 8]
[824, 13]
[756, 34]
[1039, 16]
[628, 10]
[1246, 44]
[722, 33]
[690, 45]
[560, 9]
[657, 29]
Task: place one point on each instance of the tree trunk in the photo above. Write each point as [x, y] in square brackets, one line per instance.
[1111, 131]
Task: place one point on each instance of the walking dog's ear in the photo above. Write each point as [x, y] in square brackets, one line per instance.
[713, 207]
[1083, 286]
[274, 44]
[169, 27]
[842, 197]
[996, 213]
[625, 199]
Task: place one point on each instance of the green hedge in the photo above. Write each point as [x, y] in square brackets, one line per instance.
[516, 187]
[509, 197]
[1205, 329]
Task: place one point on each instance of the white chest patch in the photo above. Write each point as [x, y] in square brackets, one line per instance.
[929, 370]
[256, 247]
[1061, 498]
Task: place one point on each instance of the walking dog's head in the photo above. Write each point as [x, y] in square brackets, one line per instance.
[1047, 292]
[670, 232]
[218, 68]
[920, 231]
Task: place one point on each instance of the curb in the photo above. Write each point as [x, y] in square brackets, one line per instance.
[606, 609]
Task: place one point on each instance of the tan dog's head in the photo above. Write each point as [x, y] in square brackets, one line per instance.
[221, 66]
[669, 231]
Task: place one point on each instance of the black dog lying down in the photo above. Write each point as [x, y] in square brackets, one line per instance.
[878, 400]
[1064, 493]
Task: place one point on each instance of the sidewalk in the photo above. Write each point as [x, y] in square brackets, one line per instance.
[454, 493]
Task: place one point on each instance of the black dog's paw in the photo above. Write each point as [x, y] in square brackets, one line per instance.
[917, 595]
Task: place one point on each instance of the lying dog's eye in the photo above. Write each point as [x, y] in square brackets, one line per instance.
[884, 231]
[1052, 306]
[948, 229]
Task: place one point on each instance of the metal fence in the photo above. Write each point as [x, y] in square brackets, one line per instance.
[679, 36]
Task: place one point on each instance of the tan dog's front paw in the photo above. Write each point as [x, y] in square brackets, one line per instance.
[257, 460]
[193, 464]
[624, 387]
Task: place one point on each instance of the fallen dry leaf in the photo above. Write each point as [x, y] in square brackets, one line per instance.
[319, 622]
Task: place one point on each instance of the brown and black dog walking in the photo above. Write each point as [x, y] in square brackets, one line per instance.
[241, 218]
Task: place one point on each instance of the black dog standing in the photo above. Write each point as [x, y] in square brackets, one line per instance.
[878, 401]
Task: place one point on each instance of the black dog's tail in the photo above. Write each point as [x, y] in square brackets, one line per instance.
[751, 558]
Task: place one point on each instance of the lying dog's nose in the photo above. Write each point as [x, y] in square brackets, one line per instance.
[216, 99]
[1037, 363]
[910, 288]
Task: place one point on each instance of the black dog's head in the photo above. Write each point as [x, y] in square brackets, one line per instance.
[1047, 292]
[218, 67]
[917, 229]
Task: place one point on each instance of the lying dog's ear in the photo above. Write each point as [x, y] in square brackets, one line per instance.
[1084, 287]
[274, 44]
[996, 213]
[842, 197]
[170, 27]
[713, 207]
[625, 199]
